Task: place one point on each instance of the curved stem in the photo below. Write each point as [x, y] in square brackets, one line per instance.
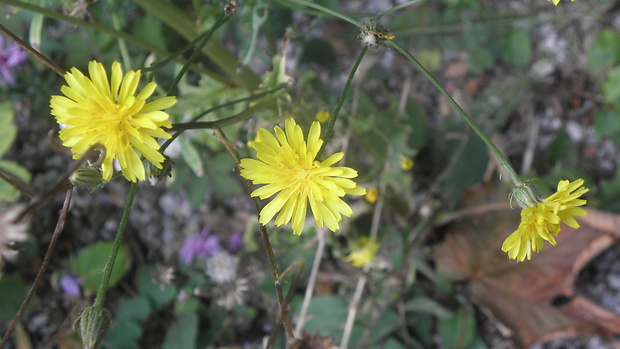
[498, 154]
[323, 9]
[221, 20]
[332, 120]
[109, 265]
[116, 24]
[46, 261]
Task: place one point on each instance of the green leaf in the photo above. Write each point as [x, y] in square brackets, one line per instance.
[8, 192]
[611, 86]
[427, 305]
[124, 334]
[8, 131]
[13, 294]
[318, 51]
[480, 58]
[517, 47]
[148, 28]
[604, 50]
[135, 309]
[560, 147]
[220, 170]
[90, 263]
[158, 295]
[468, 169]
[458, 331]
[326, 315]
[191, 155]
[183, 334]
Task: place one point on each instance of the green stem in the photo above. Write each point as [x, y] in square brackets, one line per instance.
[332, 120]
[498, 154]
[323, 9]
[192, 124]
[221, 20]
[116, 23]
[107, 270]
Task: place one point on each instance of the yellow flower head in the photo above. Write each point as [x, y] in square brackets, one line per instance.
[288, 168]
[363, 252]
[322, 116]
[541, 222]
[406, 163]
[98, 111]
[556, 2]
[372, 195]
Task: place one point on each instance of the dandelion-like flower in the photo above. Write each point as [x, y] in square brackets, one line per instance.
[101, 111]
[288, 167]
[363, 252]
[540, 222]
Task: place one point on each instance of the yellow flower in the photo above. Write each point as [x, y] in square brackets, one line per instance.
[556, 2]
[363, 252]
[98, 111]
[372, 195]
[288, 167]
[541, 222]
[406, 163]
[322, 116]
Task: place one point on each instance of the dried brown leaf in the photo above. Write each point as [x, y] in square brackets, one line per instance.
[520, 294]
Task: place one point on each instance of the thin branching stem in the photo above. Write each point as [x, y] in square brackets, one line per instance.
[193, 124]
[264, 238]
[46, 261]
[220, 20]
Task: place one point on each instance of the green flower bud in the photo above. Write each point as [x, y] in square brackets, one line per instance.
[155, 174]
[87, 178]
[525, 194]
[94, 324]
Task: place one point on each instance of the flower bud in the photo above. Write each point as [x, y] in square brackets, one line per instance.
[94, 324]
[155, 174]
[87, 178]
[525, 194]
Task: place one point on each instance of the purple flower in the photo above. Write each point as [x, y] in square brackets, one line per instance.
[199, 245]
[10, 58]
[70, 285]
[235, 242]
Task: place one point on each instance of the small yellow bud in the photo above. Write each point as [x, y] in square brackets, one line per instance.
[406, 163]
[322, 116]
[371, 195]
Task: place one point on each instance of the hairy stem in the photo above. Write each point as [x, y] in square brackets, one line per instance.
[332, 120]
[109, 265]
